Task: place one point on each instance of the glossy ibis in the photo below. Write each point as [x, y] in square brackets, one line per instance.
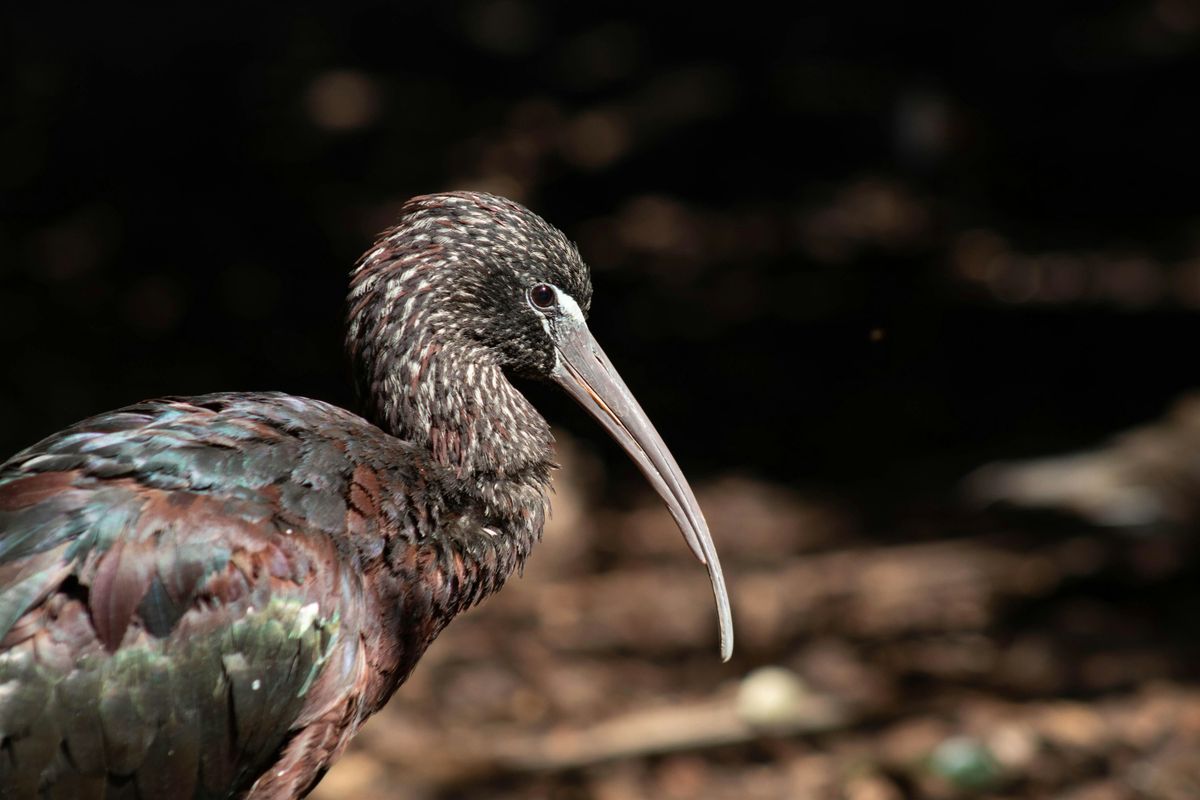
[207, 596]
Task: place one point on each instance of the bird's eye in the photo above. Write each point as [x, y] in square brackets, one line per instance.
[543, 296]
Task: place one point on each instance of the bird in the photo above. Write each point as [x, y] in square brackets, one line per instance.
[206, 597]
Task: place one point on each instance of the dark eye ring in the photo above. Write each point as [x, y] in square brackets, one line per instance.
[542, 296]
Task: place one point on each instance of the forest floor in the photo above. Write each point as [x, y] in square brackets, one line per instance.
[968, 655]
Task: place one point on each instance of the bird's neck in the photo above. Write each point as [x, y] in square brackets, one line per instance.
[450, 398]
[485, 445]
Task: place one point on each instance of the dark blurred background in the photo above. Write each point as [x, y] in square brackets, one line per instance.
[845, 254]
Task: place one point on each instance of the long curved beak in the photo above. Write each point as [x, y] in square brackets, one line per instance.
[586, 373]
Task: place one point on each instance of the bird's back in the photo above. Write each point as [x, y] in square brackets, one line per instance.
[184, 597]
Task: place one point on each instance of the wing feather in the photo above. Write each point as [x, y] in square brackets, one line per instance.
[171, 593]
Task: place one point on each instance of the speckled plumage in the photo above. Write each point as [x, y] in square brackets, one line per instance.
[424, 351]
[205, 597]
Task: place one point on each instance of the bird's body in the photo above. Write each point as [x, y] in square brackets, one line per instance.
[205, 597]
[237, 565]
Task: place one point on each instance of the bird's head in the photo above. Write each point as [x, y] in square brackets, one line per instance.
[491, 281]
[474, 269]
